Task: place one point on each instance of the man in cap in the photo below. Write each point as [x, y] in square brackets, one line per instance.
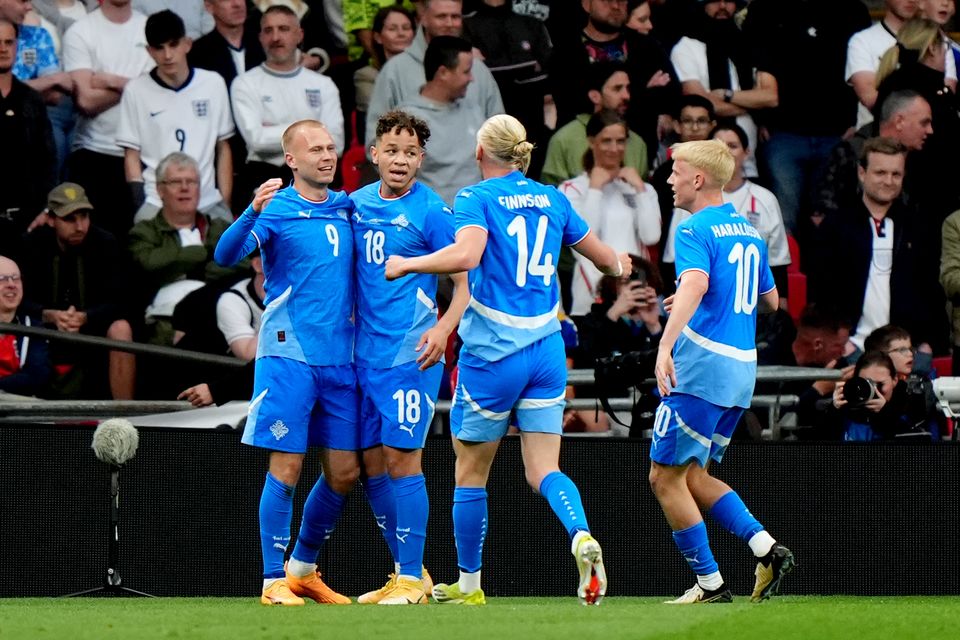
[74, 279]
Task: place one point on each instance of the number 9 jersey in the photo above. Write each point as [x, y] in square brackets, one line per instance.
[515, 297]
[715, 355]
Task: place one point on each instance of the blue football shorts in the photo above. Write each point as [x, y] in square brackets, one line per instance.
[296, 405]
[690, 428]
[529, 386]
[397, 405]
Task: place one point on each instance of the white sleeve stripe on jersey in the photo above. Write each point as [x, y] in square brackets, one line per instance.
[257, 238]
[680, 275]
[478, 226]
[512, 321]
[573, 244]
[540, 403]
[768, 290]
[425, 299]
[743, 355]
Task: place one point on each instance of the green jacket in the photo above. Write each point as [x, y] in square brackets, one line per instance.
[950, 269]
[155, 247]
[567, 146]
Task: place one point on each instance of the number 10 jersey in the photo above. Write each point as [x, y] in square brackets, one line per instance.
[716, 356]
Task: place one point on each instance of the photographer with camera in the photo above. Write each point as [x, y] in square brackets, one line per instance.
[626, 324]
[913, 394]
[862, 403]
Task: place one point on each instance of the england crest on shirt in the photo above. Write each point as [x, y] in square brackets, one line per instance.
[201, 108]
[313, 98]
[29, 56]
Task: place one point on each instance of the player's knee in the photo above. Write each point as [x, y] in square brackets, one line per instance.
[120, 330]
[343, 478]
[660, 480]
[287, 469]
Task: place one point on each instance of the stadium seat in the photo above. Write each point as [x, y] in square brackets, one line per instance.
[943, 366]
[796, 281]
[353, 159]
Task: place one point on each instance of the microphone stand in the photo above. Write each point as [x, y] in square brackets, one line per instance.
[112, 583]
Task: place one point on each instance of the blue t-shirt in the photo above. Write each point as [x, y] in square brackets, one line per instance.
[391, 316]
[514, 294]
[307, 253]
[716, 354]
[36, 55]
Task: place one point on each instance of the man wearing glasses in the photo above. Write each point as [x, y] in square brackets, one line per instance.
[24, 363]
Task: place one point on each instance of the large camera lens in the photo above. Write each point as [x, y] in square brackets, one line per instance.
[859, 390]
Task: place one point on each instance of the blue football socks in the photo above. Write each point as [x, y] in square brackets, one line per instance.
[695, 548]
[320, 514]
[564, 499]
[276, 510]
[380, 495]
[413, 509]
[469, 526]
[730, 512]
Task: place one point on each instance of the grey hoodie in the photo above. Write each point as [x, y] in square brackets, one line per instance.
[402, 76]
[449, 163]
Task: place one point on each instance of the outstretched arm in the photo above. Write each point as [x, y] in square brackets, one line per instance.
[603, 256]
[462, 255]
[433, 342]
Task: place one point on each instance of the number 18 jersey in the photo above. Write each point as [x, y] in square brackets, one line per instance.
[391, 316]
[716, 356]
[514, 293]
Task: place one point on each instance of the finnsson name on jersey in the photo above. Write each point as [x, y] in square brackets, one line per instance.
[524, 201]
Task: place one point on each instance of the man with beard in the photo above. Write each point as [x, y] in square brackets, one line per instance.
[271, 97]
[714, 62]
[654, 88]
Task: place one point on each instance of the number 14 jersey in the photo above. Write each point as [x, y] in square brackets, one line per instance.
[515, 298]
[716, 355]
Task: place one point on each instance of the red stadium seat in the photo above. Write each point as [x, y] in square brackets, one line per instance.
[796, 281]
[943, 366]
[352, 160]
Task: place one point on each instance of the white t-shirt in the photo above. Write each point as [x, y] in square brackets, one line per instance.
[689, 58]
[238, 316]
[761, 208]
[864, 51]
[95, 43]
[622, 217]
[158, 120]
[266, 102]
[876, 298]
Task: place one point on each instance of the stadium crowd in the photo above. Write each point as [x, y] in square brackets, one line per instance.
[135, 131]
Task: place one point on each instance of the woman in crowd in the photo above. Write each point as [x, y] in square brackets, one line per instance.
[393, 29]
[613, 200]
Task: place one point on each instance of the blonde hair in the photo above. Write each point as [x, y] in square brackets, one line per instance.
[503, 137]
[710, 156]
[917, 35]
[295, 128]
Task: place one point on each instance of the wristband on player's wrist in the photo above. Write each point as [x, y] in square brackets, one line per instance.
[619, 269]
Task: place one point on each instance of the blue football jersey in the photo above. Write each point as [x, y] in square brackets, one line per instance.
[716, 355]
[391, 316]
[515, 298]
[307, 252]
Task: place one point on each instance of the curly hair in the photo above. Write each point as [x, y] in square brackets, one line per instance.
[391, 121]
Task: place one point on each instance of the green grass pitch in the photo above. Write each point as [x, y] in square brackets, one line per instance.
[783, 618]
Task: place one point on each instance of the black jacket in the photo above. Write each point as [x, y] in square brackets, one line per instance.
[845, 243]
[92, 277]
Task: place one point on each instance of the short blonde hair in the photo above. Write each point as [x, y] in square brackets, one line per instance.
[710, 156]
[295, 128]
[503, 137]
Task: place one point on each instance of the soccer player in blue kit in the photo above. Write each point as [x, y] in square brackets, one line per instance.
[706, 370]
[305, 385]
[512, 363]
[399, 340]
